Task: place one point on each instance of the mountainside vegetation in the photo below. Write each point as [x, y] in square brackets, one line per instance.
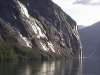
[11, 51]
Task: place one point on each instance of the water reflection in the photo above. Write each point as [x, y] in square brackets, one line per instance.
[59, 67]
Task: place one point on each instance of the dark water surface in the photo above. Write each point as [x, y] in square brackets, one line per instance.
[91, 66]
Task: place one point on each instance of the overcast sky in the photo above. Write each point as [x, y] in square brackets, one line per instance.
[84, 12]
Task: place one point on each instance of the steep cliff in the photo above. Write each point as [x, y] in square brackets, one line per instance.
[38, 23]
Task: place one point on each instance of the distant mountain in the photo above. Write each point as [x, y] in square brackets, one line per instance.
[81, 27]
[90, 37]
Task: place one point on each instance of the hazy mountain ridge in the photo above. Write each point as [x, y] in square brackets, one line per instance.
[39, 23]
[81, 27]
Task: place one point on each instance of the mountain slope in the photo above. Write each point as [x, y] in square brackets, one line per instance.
[90, 38]
[39, 23]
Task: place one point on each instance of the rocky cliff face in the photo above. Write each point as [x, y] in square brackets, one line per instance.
[39, 23]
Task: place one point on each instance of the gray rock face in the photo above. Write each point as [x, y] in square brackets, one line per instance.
[39, 23]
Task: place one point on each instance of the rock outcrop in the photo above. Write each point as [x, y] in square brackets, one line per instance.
[39, 23]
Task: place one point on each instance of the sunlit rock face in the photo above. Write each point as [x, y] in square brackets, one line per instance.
[39, 23]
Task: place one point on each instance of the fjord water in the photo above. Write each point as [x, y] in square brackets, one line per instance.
[89, 66]
[58, 67]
